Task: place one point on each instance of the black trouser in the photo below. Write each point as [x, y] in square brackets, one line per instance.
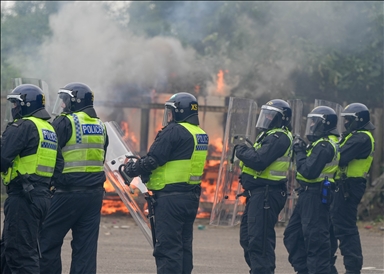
[19, 246]
[344, 218]
[175, 213]
[80, 212]
[306, 236]
[257, 228]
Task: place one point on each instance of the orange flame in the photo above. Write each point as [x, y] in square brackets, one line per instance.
[220, 82]
[112, 203]
[197, 89]
[129, 136]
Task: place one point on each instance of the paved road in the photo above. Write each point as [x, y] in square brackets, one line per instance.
[124, 249]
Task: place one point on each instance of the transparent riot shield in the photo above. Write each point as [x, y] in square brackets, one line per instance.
[240, 126]
[130, 195]
[336, 107]
[296, 121]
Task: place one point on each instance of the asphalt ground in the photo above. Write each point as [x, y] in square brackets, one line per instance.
[122, 248]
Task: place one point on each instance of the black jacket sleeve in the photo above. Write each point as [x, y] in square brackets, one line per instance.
[311, 167]
[59, 164]
[63, 128]
[19, 138]
[272, 147]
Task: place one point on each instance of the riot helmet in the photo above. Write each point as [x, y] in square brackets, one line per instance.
[275, 114]
[28, 100]
[73, 97]
[181, 107]
[356, 116]
[321, 122]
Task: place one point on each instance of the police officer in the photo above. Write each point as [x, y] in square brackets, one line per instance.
[356, 155]
[77, 201]
[29, 152]
[264, 177]
[174, 166]
[306, 236]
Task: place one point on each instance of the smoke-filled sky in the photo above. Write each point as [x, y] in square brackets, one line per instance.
[87, 45]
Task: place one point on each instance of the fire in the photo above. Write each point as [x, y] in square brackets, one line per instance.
[197, 89]
[208, 183]
[112, 203]
[220, 82]
[129, 136]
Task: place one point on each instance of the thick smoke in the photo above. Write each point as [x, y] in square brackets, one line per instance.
[88, 46]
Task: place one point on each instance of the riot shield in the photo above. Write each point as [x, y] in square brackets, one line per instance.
[240, 126]
[296, 121]
[133, 194]
[336, 107]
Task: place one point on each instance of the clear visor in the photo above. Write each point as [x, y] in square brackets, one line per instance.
[314, 121]
[266, 117]
[348, 117]
[14, 102]
[63, 102]
[168, 116]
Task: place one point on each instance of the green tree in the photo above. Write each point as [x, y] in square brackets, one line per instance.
[350, 68]
[23, 28]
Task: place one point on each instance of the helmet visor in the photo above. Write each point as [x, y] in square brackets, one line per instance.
[13, 109]
[168, 116]
[267, 117]
[349, 120]
[314, 125]
[63, 102]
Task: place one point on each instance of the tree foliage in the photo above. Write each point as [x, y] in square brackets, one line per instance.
[23, 29]
[336, 48]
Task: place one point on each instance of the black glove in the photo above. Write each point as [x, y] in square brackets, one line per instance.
[145, 177]
[299, 145]
[132, 169]
[143, 167]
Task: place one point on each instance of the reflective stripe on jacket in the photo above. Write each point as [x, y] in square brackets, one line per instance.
[188, 170]
[358, 168]
[278, 169]
[84, 152]
[330, 168]
[41, 163]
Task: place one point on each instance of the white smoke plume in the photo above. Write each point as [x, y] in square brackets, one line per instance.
[88, 46]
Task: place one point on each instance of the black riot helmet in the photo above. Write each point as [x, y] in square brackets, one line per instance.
[321, 122]
[356, 116]
[28, 100]
[73, 97]
[276, 113]
[181, 107]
